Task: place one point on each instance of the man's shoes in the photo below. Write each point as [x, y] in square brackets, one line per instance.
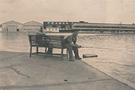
[72, 59]
[49, 53]
[78, 58]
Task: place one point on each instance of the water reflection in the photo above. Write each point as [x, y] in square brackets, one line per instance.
[116, 52]
[17, 42]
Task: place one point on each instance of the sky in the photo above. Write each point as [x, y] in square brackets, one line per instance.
[93, 11]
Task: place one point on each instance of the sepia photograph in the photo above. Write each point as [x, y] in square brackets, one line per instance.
[67, 44]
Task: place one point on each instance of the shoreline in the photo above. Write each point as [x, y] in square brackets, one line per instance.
[114, 77]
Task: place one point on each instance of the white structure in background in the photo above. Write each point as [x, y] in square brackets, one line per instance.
[31, 26]
[52, 26]
[11, 26]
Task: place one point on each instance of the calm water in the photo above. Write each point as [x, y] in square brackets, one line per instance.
[116, 53]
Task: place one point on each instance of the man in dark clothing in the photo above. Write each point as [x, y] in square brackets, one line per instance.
[42, 40]
[70, 43]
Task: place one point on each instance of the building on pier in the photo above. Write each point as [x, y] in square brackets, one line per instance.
[11, 26]
[52, 26]
[32, 26]
[103, 27]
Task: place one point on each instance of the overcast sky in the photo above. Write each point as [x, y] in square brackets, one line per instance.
[112, 11]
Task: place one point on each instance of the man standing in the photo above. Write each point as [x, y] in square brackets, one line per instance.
[70, 43]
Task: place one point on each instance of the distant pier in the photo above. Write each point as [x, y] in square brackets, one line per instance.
[103, 27]
[61, 26]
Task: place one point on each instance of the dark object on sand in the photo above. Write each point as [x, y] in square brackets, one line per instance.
[89, 55]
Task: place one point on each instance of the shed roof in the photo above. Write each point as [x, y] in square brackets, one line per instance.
[12, 22]
[33, 23]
